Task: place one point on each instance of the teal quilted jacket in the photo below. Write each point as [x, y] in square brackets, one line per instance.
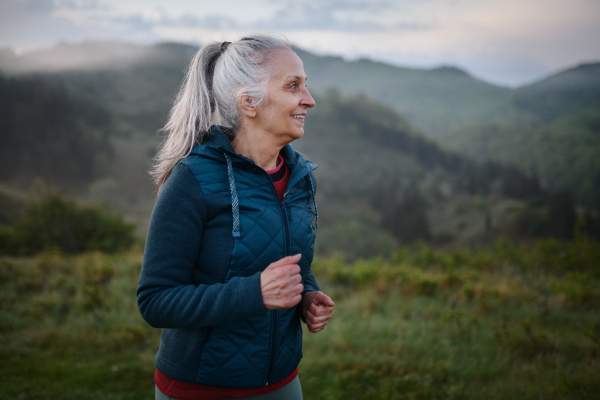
[216, 225]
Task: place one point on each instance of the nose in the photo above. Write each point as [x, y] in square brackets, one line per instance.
[307, 99]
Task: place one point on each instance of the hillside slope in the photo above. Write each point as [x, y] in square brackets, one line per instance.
[377, 171]
[434, 100]
[48, 133]
[560, 140]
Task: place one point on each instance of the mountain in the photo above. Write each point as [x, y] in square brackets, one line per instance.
[557, 135]
[89, 55]
[575, 91]
[377, 172]
[47, 133]
[136, 83]
[435, 100]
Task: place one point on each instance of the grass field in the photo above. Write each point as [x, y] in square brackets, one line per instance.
[507, 322]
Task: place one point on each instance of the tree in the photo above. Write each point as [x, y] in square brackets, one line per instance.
[562, 216]
[56, 222]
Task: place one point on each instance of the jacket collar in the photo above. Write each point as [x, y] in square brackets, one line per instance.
[218, 140]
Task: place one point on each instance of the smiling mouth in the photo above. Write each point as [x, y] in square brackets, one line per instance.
[300, 117]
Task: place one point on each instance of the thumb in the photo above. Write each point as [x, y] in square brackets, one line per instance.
[292, 259]
[328, 302]
[325, 300]
[286, 261]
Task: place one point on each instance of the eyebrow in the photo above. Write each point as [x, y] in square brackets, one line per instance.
[297, 77]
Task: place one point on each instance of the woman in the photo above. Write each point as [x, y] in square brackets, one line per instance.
[226, 269]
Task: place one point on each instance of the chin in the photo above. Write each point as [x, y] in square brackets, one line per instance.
[297, 135]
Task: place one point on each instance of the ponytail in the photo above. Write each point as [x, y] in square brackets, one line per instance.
[191, 115]
[218, 75]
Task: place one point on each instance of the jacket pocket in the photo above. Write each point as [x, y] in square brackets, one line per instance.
[179, 352]
[235, 354]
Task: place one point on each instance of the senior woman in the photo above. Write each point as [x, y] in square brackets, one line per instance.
[227, 264]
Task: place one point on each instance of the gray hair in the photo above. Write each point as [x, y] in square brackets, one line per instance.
[216, 79]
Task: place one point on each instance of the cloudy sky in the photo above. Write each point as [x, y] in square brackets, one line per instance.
[508, 42]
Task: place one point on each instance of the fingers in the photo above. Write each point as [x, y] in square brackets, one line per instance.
[316, 328]
[316, 324]
[316, 320]
[317, 309]
[286, 261]
[320, 298]
[281, 283]
[320, 312]
[318, 316]
[326, 301]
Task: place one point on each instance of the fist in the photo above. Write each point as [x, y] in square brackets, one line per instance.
[281, 283]
[317, 309]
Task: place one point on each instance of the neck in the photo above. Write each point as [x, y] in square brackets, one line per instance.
[258, 148]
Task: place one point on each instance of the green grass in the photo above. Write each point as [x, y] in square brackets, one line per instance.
[71, 330]
[500, 323]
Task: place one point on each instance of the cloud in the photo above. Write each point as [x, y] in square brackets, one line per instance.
[519, 36]
[39, 23]
[340, 16]
[22, 21]
[328, 16]
[32, 24]
[20, 7]
[82, 5]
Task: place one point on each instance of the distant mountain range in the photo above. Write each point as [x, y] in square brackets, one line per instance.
[554, 132]
[372, 132]
[550, 128]
[436, 101]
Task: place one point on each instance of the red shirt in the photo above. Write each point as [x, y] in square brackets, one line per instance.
[195, 391]
[280, 176]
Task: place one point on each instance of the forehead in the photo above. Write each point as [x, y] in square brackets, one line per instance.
[286, 63]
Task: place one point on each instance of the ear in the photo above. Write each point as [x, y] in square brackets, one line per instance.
[247, 106]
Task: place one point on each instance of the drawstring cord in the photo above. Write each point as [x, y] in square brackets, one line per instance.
[312, 189]
[235, 206]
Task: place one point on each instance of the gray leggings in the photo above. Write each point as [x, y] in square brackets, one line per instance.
[291, 391]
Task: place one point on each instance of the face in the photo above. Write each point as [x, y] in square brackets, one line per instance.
[288, 98]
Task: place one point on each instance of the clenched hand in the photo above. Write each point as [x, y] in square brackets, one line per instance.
[317, 309]
[281, 283]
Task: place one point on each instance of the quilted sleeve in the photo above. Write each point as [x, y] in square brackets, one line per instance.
[166, 296]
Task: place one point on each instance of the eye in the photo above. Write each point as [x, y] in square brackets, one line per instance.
[294, 86]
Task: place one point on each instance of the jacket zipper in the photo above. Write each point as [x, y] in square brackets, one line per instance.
[273, 344]
[274, 314]
[286, 229]
[286, 234]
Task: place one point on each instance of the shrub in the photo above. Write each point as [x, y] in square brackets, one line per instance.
[56, 222]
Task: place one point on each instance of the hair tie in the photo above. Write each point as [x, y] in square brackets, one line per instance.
[224, 46]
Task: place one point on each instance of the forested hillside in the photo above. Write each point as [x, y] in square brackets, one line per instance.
[47, 133]
[546, 128]
[557, 137]
[435, 100]
[378, 173]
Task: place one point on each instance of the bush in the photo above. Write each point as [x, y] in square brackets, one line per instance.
[56, 222]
